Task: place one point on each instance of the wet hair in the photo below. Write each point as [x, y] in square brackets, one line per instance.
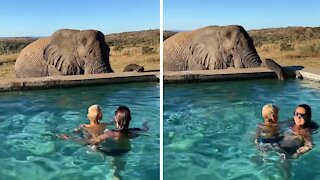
[93, 113]
[307, 117]
[269, 111]
[123, 116]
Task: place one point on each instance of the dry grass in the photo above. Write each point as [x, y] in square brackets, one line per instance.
[7, 65]
[302, 53]
[134, 55]
[305, 62]
[118, 60]
[7, 58]
[139, 47]
[289, 46]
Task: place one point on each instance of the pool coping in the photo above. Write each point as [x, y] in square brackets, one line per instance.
[16, 84]
[310, 74]
[226, 74]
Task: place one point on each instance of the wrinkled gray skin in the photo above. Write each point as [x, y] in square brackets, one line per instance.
[214, 47]
[133, 67]
[65, 52]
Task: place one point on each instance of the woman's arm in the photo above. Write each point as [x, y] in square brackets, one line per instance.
[257, 134]
[308, 145]
[77, 140]
[102, 137]
[78, 129]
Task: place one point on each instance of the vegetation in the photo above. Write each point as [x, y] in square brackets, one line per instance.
[290, 45]
[284, 35]
[13, 45]
[134, 39]
[139, 47]
[167, 34]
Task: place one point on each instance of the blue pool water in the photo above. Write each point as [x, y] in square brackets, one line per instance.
[29, 120]
[209, 128]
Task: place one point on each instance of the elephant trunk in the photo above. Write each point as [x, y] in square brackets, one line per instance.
[250, 58]
[108, 69]
[96, 68]
[270, 64]
[101, 69]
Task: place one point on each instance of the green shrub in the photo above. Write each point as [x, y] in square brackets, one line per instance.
[11, 47]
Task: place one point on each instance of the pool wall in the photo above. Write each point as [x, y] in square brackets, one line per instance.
[154, 76]
[236, 74]
[77, 80]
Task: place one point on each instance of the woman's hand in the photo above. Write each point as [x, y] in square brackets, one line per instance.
[303, 149]
[295, 155]
[62, 136]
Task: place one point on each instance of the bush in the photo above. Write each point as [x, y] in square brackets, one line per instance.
[11, 47]
[148, 50]
[286, 47]
[312, 50]
[118, 48]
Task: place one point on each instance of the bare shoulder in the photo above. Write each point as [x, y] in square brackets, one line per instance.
[104, 125]
[80, 127]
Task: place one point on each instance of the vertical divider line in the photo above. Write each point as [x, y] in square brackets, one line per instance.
[161, 89]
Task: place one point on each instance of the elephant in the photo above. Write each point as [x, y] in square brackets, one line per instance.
[133, 67]
[65, 52]
[214, 47]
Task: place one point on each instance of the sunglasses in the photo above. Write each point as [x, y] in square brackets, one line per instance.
[299, 114]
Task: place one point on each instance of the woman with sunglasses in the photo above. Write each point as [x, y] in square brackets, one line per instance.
[298, 140]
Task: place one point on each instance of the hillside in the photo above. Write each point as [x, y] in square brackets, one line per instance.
[139, 47]
[288, 46]
[284, 35]
[133, 39]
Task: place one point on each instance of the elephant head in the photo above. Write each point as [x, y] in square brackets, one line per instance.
[214, 47]
[242, 53]
[78, 52]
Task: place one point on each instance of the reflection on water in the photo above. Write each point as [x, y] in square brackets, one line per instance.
[209, 130]
[29, 120]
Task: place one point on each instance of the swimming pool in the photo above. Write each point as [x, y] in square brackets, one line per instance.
[29, 120]
[209, 128]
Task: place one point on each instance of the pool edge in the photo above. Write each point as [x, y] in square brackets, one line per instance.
[225, 74]
[17, 84]
[310, 74]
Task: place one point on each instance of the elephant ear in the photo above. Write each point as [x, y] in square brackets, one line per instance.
[61, 52]
[207, 56]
